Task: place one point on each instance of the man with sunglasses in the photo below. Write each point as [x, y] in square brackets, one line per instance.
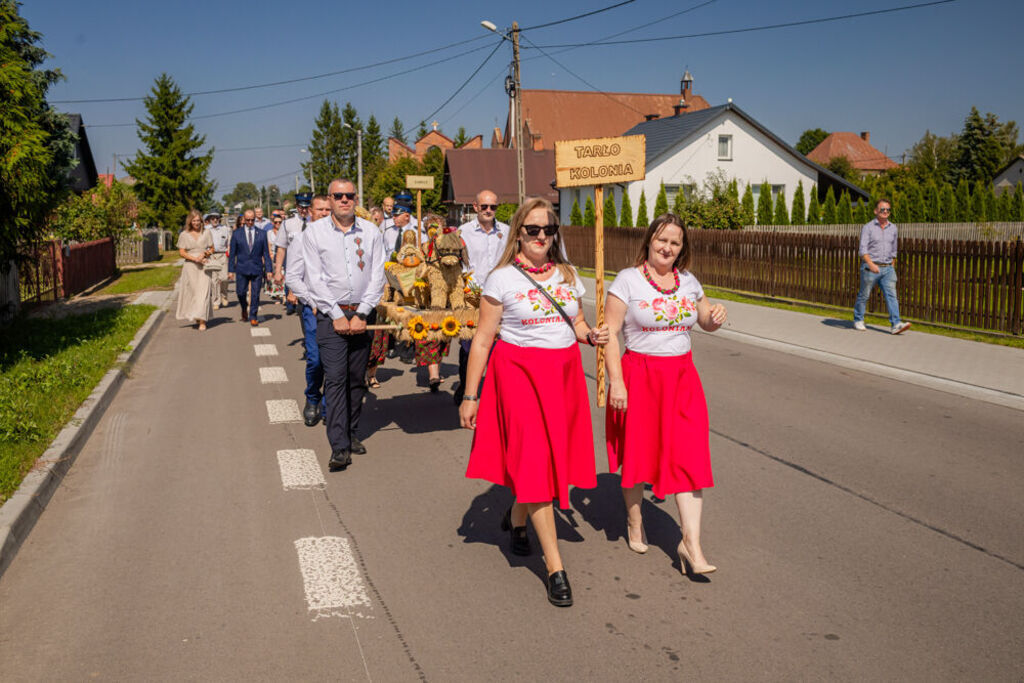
[248, 263]
[878, 253]
[485, 239]
[290, 229]
[401, 220]
[343, 258]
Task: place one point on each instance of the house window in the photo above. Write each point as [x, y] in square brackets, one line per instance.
[688, 190]
[725, 148]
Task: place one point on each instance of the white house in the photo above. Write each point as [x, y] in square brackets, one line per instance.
[683, 149]
[1007, 178]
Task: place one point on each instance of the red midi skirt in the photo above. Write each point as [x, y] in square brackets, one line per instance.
[533, 429]
[662, 436]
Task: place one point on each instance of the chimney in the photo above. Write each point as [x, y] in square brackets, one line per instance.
[865, 136]
[651, 117]
[678, 108]
[686, 84]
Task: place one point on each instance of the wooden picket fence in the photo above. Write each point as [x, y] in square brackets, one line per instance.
[970, 284]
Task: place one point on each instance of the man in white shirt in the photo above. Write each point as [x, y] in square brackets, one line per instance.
[485, 239]
[343, 260]
[261, 222]
[400, 221]
[221, 235]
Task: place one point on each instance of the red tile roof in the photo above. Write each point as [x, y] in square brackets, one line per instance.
[861, 153]
[550, 115]
[468, 171]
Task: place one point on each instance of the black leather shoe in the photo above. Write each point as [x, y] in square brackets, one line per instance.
[435, 384]
[356, 446]
[340, 459]
[559, 592]
[311, 414]
[520, 541]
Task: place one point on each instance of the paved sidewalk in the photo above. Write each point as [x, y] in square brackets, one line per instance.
[971, 369]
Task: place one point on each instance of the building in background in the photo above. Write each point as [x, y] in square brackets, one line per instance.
[863, 156]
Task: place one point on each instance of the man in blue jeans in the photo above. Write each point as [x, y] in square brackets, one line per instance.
[878, 253]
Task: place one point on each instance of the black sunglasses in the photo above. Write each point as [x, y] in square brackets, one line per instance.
[534, 230]
[492, 207]
[338, 196]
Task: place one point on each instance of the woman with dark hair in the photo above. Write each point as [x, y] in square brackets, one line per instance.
[533, 429]
[194, 245]
[657, 419]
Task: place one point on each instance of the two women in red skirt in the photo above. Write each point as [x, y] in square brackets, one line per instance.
[657, 419]
[532, 418]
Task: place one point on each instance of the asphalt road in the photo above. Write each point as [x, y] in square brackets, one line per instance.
[863, 529]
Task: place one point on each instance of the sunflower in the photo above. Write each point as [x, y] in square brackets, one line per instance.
[450, 326]
[417, 328]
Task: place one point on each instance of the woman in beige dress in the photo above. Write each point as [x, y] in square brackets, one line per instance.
[194, 245]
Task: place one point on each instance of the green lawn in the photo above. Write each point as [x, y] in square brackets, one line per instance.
[47, 368]
[155, 277]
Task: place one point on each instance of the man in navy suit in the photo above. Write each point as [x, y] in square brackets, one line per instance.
[248, 263]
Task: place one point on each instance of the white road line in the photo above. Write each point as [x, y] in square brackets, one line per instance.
[330, 577]
[274, 375]
[283, 410]
[259, 331]
[265, 350]
[300, 469]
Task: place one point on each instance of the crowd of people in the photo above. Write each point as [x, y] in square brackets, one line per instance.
[521, 386]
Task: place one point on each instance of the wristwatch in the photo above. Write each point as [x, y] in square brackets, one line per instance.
[470, 397]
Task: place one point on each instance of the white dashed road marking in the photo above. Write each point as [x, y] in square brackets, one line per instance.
[274, 375]
[259, 331]
[265, 350]
[330, 577]
[283, 410]
[300, 469]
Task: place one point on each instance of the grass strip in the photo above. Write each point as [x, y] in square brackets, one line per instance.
[47, 368]
[157, 277]
[844, 313]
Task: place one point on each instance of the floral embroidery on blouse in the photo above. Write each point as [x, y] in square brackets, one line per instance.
[560, 293]
[669, 309]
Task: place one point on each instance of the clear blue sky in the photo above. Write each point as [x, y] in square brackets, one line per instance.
[894, 75]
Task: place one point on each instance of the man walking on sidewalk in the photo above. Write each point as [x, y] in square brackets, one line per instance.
[878, 253]
[248, 263]
[343, 257]
[221, 235]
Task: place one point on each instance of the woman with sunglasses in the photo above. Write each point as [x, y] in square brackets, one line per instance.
[532, 421]
[657, 420]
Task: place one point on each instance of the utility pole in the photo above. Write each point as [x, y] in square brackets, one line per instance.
[518, 104]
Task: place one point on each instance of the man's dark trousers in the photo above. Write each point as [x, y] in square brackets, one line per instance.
[248, 289]
[344, 358]
[314, 368]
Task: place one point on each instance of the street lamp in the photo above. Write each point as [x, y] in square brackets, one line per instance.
[359, 144]
[309, 175]
[517, 102]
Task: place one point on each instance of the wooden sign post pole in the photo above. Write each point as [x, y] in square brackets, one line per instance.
[599, 284]
[419, 217]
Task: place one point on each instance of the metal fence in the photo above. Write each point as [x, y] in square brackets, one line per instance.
[954, 282]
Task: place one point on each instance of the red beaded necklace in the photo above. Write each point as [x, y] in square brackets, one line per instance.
[534, 269]
[659, 288]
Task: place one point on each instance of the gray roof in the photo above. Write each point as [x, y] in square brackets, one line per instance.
[665, 133]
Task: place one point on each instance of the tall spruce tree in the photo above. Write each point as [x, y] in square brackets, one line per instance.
[589, 217]
[36, 144]
[813, 207]
[828, 211]
[170, 174]
[610, 219]
[979, 149]
[781, 215]
[326, 148]
[398, 131]
[844, 209]
[764, 205]
[799, 211]
[422, 131]
[350, 142]
[948, 212]
[661, 203]
[374, 152]
[747, 206]
[626, 212]
[642, 221]
[575, 217]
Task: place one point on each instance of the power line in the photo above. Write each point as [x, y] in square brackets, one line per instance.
[751, 29]
[247, 149]
[578, 16]
[466, 82]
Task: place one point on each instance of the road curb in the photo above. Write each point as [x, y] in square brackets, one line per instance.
[19, 514]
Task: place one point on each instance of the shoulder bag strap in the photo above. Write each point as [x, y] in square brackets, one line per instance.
[565, 316]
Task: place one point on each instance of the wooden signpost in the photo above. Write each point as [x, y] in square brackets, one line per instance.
[419, 183]
[597, 162]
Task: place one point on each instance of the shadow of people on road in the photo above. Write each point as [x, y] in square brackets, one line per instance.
[418, 413]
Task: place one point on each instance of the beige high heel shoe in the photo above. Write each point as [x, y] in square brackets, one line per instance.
[636, 546]
[687, 564]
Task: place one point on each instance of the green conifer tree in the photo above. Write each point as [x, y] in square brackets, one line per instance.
[947, 204]
[862, 214]
[781, 215]
[626, 213]
[844, 209]
[916, 208]
[642, 221]
[828, 211]
[589, 217]
[611, 220]
[661, 203]
[575, 217]
[963, 201]
[799, 216]
[978, 202]
[1005, 205]
[747, 206]
[679, 203]
[764, 205]
[1018, 203]
[813, 207]
[991, 203]
[932, 201]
